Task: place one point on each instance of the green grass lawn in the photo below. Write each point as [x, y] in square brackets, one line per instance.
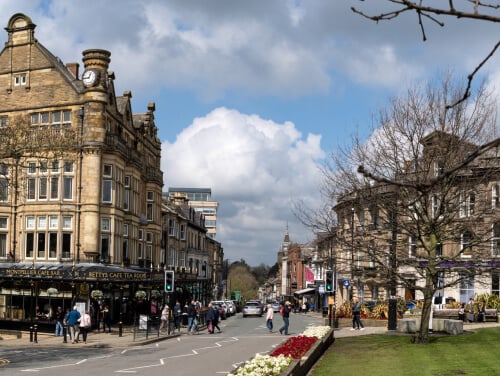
[473, 353]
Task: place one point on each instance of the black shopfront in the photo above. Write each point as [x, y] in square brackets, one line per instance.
[31, 292]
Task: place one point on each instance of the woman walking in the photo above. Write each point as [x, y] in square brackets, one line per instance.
[269, 318]
[164, 317]
[85, 323]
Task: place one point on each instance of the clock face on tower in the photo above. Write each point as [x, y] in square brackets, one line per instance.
[89, 77]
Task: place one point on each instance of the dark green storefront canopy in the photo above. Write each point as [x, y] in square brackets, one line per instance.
[84, 272]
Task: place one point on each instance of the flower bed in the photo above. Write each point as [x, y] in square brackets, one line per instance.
[294, 357]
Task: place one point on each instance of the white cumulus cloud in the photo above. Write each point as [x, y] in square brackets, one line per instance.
[255, 168]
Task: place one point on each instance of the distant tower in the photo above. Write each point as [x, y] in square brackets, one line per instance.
[285, 245]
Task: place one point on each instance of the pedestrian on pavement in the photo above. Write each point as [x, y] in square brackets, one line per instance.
[99, 318]
[106, 319]
[269, 317]
[356, 314]
[210, 318]
[192, 322]
[216, 318]
[164, 317]
[59, 316]
[85, 323]
[73, 317]
[285, 312]
[177, 315]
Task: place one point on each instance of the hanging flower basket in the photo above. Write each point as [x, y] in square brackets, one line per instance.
[155, 293]
[96, 294]
[140, 294]
[52, 291]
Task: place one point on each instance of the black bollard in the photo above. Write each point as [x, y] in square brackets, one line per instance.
[65, 333]
[120, 329]
[31, 333]
[392, 322]
[36, 333]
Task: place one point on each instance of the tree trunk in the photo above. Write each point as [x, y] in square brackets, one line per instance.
[423, 334]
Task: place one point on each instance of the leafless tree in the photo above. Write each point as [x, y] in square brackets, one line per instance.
[421, 184]
[460, 9]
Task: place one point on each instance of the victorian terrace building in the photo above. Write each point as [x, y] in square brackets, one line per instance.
[80, 184]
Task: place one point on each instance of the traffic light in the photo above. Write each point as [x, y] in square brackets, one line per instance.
[169, 280]
[329, 286]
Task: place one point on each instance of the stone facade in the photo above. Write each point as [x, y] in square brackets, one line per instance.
[80, 183]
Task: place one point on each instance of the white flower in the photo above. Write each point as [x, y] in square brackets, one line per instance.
[264, 365]
[316, 331]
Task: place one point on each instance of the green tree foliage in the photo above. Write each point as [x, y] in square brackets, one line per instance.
[240, 278]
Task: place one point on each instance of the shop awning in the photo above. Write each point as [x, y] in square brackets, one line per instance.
[308, 291]
[78, 272]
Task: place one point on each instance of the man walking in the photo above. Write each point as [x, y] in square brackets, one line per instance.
[356, 315]
[59, 316]
[192, 322]
[285, 312]
[73, 317]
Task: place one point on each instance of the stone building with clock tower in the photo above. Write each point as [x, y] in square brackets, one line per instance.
[80, 183]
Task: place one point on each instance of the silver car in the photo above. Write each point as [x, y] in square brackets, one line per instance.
[252, 308]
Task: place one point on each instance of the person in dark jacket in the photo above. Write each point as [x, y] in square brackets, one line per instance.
[210, 318]
[216, 319]
[192, 321]
[177, 316]
[286, 317]
[356, 315]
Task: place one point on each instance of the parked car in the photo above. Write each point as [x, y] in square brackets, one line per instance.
[223, 310]
[237, 305]
[231, 307]
[252, 308]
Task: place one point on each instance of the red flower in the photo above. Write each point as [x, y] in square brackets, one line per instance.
[295, 347]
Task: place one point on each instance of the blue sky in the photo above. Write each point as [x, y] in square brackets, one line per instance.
[252, 95]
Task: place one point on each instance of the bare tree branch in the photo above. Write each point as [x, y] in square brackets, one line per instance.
[481, 12]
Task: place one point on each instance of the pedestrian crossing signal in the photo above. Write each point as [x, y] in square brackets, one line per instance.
[329, 281]
[169, 280]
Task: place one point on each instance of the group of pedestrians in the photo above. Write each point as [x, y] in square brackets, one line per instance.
[285, 310]
[78, 322]
[212, 319]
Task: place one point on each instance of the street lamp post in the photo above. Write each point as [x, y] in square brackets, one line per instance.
[352, 254]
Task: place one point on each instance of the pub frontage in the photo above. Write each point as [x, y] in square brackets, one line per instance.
[31, 292]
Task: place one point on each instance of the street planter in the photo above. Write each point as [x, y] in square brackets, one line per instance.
[288, 365]
[302, 366]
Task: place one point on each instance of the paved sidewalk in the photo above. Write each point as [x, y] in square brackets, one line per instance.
[94, 339]
[347, 332]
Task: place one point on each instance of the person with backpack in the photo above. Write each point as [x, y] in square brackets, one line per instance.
[285, 313]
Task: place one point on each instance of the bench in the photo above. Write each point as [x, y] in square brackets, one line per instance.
[452, 313]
